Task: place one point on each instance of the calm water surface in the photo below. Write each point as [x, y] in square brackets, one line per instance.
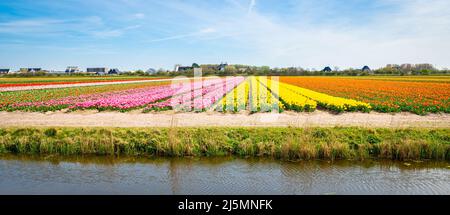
[105, 175]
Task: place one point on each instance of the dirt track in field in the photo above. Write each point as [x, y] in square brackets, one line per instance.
[214, 119]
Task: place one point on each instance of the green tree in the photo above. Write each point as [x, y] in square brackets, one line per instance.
[230, 70]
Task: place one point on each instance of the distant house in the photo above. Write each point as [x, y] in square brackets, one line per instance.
[4, 71]
[176, 67]
[184, 68]
[179, 68]
[407, 66]
[393, 66]
[366, 69]
[151, 71]
[97, 70]
[56, 72]
[113, 71]
[72, 69]
[222, 66]
[327, 69]
[30, 69]
[424, 66]
[242, 69]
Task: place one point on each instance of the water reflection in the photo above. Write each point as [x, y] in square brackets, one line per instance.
[220, 175]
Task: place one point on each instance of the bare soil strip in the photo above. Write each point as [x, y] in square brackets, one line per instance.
[4, 89]
[214, 119]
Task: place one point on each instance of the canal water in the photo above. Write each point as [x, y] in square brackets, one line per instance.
[106, 175]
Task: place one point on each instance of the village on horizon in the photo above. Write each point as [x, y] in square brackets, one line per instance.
[407, 69]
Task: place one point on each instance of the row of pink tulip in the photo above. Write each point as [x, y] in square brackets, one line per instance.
[126, 99]
[141, 97]
[199, 99]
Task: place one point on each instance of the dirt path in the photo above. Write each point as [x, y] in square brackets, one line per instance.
[4, 89]
[167, 119]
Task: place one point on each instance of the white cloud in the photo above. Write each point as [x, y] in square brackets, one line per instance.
[138, 16]
[207, 30]
[108, 33]
[417, 32]
[30, 25]
[89, 26]
[46, 27]
[248, 32]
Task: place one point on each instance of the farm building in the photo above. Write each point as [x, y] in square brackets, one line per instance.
[97, 70]
[179, 68]
[366, 69]
[56, 72]
[30, 69]
[151, 71]
[393, 66]
[72, 69]
[407, 66]
[222, 66]
[423, 66]
[113, 71]
[327, 69]
[243, 69]
[4, 71]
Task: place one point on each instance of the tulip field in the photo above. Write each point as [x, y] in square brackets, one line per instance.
[40, 81]
[418, 96]
[196, 96]
[61, 98]
[235, 94]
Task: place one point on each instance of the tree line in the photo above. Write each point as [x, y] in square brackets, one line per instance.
[247, 70]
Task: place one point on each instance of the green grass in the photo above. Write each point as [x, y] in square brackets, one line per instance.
[281, 143]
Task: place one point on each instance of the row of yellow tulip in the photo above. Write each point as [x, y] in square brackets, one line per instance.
[249, 95]
[291, 100]
[253, 97]
[261, 97]
[337, 104]
[261, 94]
[236, 100]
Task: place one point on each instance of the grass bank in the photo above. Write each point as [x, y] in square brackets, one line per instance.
[282, 143]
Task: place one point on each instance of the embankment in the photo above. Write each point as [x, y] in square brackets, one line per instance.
[283, 143]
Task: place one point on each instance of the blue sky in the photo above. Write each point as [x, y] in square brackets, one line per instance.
[141, 34]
